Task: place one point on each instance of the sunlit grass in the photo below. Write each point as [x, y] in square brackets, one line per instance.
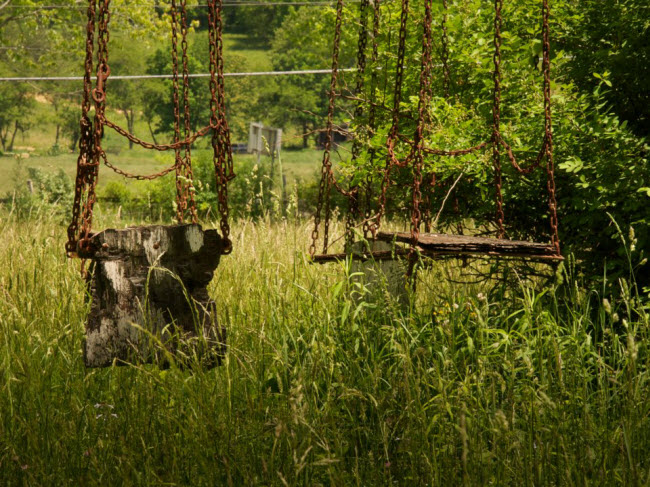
[477, 384]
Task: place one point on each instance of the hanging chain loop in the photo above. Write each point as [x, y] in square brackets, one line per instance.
[548, 126]
[222, 150]
[91, 153]
[496, 117]
[327, 178]
[85, 135]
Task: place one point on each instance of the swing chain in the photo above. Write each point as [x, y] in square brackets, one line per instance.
[423, 103]
[372, 121]
[99, 97]
[548, 128]
[183, 164]
[85, 135]
[393, 135]
[444, 54]
[353, 197]
[222, 151]
[91, 154]
[326, 167]
[496, 116]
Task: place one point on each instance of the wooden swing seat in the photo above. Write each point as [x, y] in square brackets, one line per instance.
[435, 245]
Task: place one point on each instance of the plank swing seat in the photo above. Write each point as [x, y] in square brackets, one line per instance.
[148, 284]
[409, 152]
[436, 245]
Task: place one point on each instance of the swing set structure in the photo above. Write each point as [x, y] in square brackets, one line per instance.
[416, 149]
[156, 276]
[92, 155]
[153, 276]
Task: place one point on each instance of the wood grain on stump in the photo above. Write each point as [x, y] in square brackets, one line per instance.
[149, 297]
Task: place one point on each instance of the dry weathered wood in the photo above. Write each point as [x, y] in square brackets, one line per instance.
[433, 244]
[149, 297]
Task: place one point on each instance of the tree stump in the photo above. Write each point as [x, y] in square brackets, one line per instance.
[149, 297]
[387, 278]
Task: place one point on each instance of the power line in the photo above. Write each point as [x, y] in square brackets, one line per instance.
[169, 76]
[162, 7]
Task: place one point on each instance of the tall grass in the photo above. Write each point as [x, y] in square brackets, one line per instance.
[473, 384]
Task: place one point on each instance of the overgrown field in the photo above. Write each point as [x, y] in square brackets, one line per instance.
[473, 384]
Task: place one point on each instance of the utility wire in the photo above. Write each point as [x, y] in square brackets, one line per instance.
[169, 76]
[163, 7]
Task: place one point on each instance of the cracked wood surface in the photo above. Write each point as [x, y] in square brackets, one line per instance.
[148, 287]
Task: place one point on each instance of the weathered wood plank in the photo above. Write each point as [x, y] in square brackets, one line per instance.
[148, 287]
[432, 244]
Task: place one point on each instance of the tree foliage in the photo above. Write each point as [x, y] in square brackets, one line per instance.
[602, 171]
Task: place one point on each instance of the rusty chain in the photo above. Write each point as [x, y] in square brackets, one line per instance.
[326, 167]
[444, 51]
[353, 214]
[496, 117]
[391, 159]
[446, 83]
[423, 116]
[159, 147]
[183, 163]
[372, 119]
[497, 140]
[99, 97]
[91, 154]
[222, 151]
[550, 169]
[546, 150]
[188, 185]
[178, 158]
[86, 134]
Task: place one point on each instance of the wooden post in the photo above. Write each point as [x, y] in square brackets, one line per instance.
[387, 277]
[149, 297]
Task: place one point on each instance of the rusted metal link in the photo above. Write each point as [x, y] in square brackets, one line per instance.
[91, 154]
[530, 167]
[496, 118]
[159, 147]
[447, 153]
[327, 177]
[139, 177]
[391, 158]
[444, 52]
[548, 126]
[423, 119]
[222, 151]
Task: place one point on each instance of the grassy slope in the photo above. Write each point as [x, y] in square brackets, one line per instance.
[41, 137]
[318, 389]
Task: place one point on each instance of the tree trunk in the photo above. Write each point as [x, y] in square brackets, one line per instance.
[3, 137]
[149, 297]
[75, 141]
[153, 136]
[305, 136]
[379, 280]
[13, 136]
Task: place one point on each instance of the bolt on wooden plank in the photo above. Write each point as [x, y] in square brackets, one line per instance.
[149, 297]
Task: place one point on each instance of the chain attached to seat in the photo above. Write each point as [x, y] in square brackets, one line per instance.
[91, 153]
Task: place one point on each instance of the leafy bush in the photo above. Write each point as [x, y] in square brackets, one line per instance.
[39, 191]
